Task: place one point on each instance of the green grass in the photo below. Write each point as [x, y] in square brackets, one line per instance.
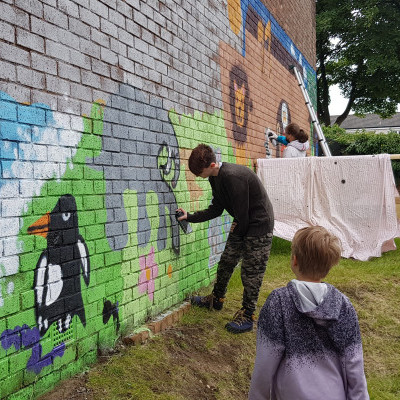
[198, 359]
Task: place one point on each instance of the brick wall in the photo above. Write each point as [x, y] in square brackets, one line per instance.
[101, 103]
[298, 20]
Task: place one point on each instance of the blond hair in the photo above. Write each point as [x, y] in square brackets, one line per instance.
[316, 251]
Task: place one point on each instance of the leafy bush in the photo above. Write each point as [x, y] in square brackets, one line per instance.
[342, 143]
[338, 139]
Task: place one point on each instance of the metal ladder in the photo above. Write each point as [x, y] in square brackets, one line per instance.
[321, 137]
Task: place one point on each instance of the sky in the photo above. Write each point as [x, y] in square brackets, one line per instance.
[338, 102]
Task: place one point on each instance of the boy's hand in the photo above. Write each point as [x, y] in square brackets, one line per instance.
[184, 216]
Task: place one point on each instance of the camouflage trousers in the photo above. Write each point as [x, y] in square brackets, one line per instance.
[254, 253]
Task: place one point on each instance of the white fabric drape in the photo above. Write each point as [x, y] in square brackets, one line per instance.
[352, 196]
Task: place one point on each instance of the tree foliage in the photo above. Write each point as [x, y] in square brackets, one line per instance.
[358, 48]
[342, 143]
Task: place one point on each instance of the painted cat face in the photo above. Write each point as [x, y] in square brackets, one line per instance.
[239, 104]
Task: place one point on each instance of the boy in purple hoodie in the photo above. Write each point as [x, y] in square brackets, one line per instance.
[308, 339]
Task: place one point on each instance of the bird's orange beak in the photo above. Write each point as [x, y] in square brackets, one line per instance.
[41, 226]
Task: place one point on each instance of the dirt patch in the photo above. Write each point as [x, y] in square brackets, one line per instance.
[200, 361]
[214, 369]
[74, 389]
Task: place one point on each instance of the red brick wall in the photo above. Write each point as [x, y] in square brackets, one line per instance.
[297, 18]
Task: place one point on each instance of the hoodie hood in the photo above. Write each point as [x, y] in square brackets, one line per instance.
[329, 305]
[311, 294]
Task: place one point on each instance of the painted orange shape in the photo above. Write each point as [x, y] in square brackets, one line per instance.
[169, 271]
[235, 15]
[239, 104]
[148, 273]
[41, 226]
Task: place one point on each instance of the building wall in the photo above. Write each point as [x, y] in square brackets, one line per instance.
[101, 103]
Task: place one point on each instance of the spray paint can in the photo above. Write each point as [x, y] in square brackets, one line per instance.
[183, 224]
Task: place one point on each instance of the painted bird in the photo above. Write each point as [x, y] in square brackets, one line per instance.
[57, 282]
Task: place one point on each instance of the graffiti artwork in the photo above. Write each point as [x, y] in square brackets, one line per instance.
[36, 144]
[265, 60]
[240, 102]
[58, 271]
[148, 272]
[283, 119]
[25, 337]
[140, 152]
[110, 309]
[257, 20]
[89, 188]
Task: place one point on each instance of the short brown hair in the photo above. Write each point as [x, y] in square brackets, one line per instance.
[294, 130]
[202, 156]
[316, 251]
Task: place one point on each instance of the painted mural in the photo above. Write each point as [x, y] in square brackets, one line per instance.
[265, 48]
[139, 152]
[240, 102]
[31, 135]
[58, 271]
[253, 17]
[111, 310]
[283, 119]
[27, 338]
[66, 235]
[89, 245]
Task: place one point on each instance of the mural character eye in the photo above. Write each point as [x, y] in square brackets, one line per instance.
[66, 216]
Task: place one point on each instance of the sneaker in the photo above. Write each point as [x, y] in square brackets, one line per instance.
[241, 322]
[209, 301]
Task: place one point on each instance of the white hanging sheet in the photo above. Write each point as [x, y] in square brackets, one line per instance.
[351, 196]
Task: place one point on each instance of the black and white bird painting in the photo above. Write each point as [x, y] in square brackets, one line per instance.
[57, 281]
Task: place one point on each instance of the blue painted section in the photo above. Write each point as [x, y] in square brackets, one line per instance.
[27, 338]
[276, 30]
[19, 124]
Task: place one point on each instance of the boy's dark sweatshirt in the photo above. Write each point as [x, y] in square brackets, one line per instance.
[238, 190]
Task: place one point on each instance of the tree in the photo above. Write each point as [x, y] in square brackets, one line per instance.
[358, 48]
